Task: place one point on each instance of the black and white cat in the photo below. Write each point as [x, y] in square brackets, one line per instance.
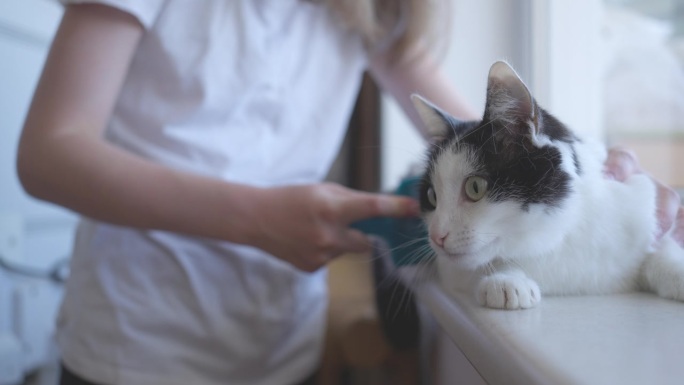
[519, 201]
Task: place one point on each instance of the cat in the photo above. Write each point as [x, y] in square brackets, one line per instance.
[519, 202]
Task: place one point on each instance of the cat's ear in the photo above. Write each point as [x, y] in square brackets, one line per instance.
[436, 121]
[510, 101]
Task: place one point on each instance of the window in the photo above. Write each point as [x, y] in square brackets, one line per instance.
[643, 80]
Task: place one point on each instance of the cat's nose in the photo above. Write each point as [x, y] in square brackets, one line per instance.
[439, 239]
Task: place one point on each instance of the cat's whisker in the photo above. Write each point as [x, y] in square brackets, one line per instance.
[423, 270]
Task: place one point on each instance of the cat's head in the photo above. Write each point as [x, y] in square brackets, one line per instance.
[502, 186]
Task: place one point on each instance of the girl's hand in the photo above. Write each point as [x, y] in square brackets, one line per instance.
[308, 225]
[622, 163]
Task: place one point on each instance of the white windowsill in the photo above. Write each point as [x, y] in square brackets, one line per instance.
[625, 339]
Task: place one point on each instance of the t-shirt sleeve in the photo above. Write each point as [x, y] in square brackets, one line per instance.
[146, 11]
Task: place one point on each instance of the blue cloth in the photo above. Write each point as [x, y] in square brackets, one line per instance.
[406, 237]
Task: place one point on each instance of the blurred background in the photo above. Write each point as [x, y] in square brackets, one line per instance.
[609, 68]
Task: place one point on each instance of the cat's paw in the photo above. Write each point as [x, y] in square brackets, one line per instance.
[505, 291]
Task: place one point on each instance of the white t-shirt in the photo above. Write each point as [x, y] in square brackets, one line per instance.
[250, 91]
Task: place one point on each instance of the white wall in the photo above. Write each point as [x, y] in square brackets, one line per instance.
[33, 234]
[566, 61]
[26, 29]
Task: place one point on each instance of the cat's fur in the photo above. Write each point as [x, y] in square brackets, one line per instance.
[549, 221]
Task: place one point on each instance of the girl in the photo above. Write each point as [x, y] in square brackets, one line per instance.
[192, 137]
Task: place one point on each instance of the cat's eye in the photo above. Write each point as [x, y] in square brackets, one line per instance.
[432, 197]
[476, 188]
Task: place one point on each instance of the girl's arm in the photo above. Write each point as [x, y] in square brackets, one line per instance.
[64, 159]
[422, 75]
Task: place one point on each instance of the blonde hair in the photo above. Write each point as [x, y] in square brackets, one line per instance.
[394, 26]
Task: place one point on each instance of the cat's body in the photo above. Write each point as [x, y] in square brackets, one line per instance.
[521, 203]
